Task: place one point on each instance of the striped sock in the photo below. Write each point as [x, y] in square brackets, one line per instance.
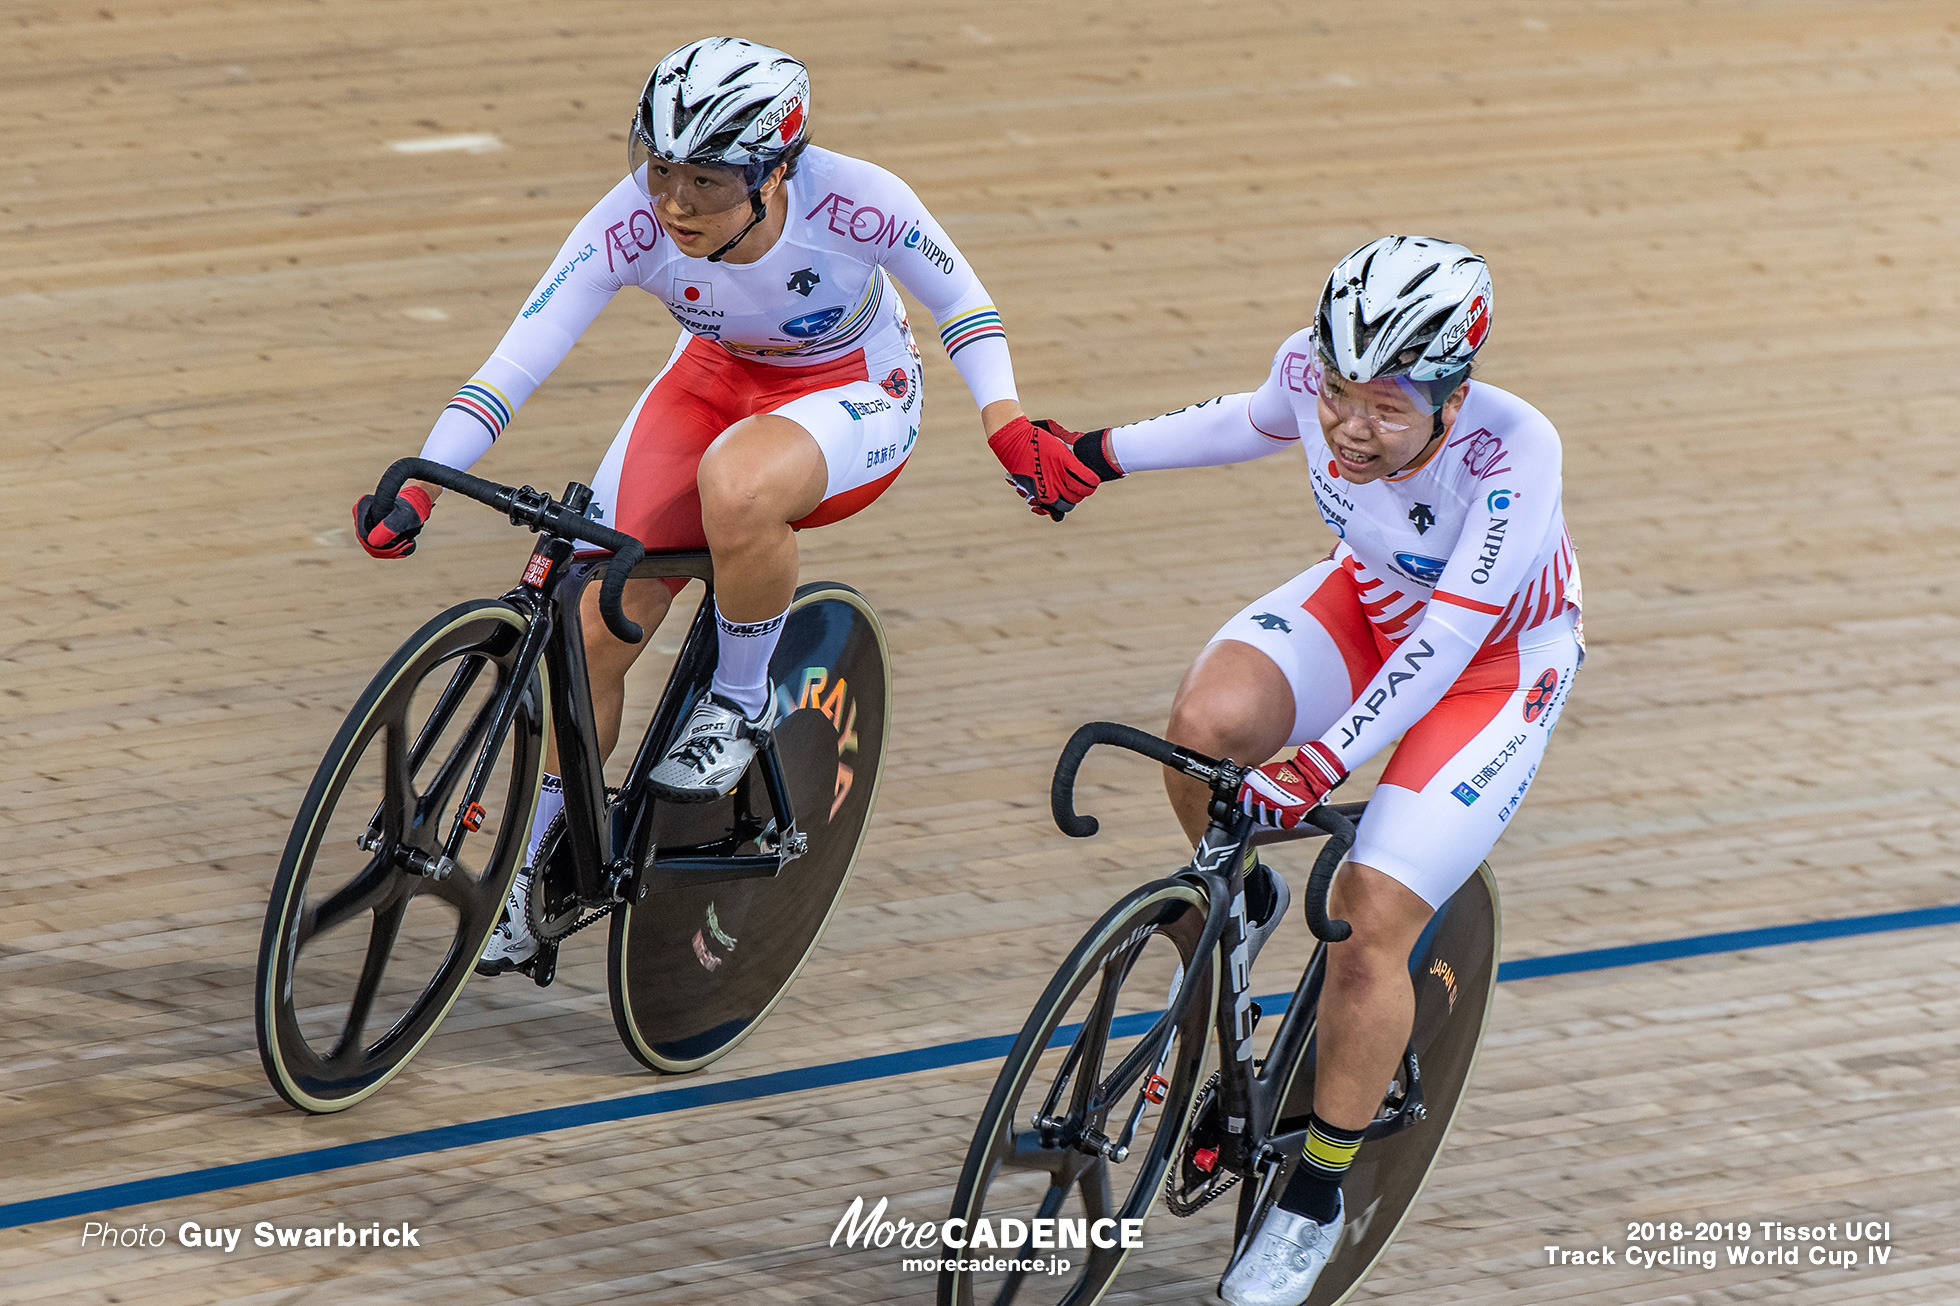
[1315, 1188]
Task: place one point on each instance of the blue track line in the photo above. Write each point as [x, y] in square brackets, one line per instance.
[939, 1056]
[1701, 945]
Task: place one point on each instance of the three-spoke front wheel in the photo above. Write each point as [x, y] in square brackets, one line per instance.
[372, 927]
[1089, 1108]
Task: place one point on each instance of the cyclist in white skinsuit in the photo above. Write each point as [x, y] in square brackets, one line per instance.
[1447, 614]
[820, 295]
[791, 400]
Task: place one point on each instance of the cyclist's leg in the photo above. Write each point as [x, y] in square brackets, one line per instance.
[645, 487]
[759, 475]
[815, 456]
[1281, 671]
[1446, 796]
[1422, 836]
[818, 444]
[673, 420]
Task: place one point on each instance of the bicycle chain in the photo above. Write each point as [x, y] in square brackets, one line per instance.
[554, 832]
[1213, 1190]
[593, 919]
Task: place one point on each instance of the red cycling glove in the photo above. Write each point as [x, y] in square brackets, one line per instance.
[393, 536]
[1280, 794]
[1042, 466]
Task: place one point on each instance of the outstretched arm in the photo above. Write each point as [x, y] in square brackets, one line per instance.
[1229, 429]
[1206, 434]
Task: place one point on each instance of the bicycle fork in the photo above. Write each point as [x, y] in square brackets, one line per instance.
[469, 812]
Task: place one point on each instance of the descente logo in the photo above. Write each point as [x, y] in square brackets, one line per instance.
[874, 1230]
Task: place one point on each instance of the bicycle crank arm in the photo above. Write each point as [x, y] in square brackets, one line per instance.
[682, 871]
[787, 846]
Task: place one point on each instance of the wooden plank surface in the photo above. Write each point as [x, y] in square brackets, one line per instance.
[1723, 242]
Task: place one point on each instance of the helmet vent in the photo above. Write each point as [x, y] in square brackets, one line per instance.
[1418, 279]
[1425, 335]
[1366, 331]
[737, 73]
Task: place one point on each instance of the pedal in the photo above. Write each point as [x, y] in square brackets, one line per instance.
[543, 965]
[787, 846]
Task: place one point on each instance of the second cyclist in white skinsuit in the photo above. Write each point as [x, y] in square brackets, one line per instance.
[1446, 615]
[1458, 561]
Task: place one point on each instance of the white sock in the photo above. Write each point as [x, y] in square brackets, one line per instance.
[742, 673]
[551, 801]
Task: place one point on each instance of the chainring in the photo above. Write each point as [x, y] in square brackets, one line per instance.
[1187, 1188]
[553, 909]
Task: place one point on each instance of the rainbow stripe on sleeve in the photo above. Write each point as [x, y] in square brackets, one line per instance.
[485, 403]
[982, 323]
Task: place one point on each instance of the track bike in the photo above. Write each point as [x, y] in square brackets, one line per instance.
[411, 833]
[1102, 1104]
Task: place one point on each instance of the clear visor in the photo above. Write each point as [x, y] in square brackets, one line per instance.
[1390, 403]
[684, 187]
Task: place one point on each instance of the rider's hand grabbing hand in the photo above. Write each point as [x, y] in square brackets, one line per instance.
[392, 536]
[1042, 466]
[1280, 794]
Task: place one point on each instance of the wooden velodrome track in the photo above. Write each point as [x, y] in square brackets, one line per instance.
[1727, 267]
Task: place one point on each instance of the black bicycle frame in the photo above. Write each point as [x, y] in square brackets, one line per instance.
[1248, 1102]
[613, 859]
[609, 854]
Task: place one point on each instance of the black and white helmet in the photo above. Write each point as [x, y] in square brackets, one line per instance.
[1406, 306]
[723, 102]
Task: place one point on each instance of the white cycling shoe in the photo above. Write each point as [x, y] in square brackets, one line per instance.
[1285, 1257]
[715, 747]
[511, 944]
[1257, 933]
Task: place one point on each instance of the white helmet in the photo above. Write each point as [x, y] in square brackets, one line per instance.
[723, 102]
[1405, 306]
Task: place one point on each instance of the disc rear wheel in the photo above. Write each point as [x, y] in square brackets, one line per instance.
[1454, 970]
[695, 969]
